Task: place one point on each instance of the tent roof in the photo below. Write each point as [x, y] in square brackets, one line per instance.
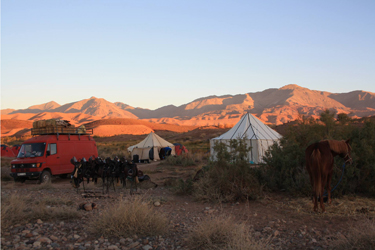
[252, 128]
[152, 140]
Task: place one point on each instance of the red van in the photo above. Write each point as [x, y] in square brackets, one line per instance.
[46, 155]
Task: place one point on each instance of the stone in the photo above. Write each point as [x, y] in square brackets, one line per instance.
[76, 236]
[88, 206]
[45, 239]
[112, 247]
[54, 238]
[276, 233]
[134, 244]
[37, 244]
[157, 204]
[39, 221]
[29, 235]
[145, 242]
[55, 245]
[147, 247]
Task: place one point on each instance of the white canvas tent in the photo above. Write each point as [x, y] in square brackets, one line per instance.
[149, 148]
[259, 137]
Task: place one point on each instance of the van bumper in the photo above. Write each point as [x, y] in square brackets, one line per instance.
[26, 174]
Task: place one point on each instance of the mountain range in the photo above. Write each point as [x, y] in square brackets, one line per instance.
[273, 106]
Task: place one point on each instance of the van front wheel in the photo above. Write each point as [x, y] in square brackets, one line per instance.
[45, 177]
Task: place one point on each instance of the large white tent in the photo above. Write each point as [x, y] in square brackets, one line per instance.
[259, 137]
[150, 147]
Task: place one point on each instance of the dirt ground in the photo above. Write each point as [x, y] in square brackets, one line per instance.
[287, 221]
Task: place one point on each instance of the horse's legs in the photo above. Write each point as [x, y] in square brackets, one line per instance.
[315, 200]
[329, 188]
[324, 179]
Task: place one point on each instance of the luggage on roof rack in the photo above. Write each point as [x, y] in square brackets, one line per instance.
[57, 126]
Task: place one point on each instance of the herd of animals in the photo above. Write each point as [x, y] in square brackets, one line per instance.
[110, 171]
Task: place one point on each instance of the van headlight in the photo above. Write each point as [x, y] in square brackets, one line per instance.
[33, 165]
[13, 166]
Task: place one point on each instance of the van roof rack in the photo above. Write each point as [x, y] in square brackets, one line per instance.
[61, 131]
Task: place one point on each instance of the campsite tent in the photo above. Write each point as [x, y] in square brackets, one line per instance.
[180, 149]
[150, 147]
[6, 151]
[259, 137]
[16, 149]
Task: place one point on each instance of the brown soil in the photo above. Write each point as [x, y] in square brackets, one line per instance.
[288, 220]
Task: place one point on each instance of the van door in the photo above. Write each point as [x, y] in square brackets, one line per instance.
[53, 158]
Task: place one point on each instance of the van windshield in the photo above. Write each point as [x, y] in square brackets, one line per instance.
[32, 150]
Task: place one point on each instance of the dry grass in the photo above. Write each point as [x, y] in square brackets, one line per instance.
[345, 206]
[5, 168]
[17, 208]
[128, 218]
[224, 233]
[362, 237]
[43, 186]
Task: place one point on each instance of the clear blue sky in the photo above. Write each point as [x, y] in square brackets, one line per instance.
[154, 53]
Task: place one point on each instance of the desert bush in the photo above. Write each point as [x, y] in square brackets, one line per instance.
[17, 208]
[5, 168]
[130, 217]
[224, 233]
[12, 210]
[182, 187]
[229, 177]
[112, 149]
[5, 174]
[285, 162]
[184, 160]
[360, 237]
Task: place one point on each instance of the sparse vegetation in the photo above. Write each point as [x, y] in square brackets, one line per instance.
[362, 237]
[18, 208]
[5, 169]
[230, 177]
[285, 162]
[224, 233]
[128, 218]
[184, 160]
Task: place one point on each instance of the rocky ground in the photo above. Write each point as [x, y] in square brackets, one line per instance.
[287, 222]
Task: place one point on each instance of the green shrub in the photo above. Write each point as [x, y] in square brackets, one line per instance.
[285, 163]
[230, 177]
[183, 187]
[184, 160]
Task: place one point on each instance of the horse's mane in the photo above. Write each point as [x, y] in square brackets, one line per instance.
[338, 146]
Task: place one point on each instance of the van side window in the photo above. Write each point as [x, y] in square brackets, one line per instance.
[52, 148]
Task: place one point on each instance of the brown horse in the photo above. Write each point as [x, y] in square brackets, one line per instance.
[319, 164]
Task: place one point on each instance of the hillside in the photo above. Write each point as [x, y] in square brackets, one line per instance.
[272, 106]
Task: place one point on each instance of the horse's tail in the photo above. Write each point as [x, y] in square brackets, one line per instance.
[317, 174]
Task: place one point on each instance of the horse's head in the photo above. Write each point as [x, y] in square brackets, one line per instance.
[347, 155]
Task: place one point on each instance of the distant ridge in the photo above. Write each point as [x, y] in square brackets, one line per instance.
[273, 106]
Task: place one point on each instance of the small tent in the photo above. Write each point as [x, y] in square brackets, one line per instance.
[6, 151]
[150, 148]
[180, 149]
[259, 137]
[16, 149]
